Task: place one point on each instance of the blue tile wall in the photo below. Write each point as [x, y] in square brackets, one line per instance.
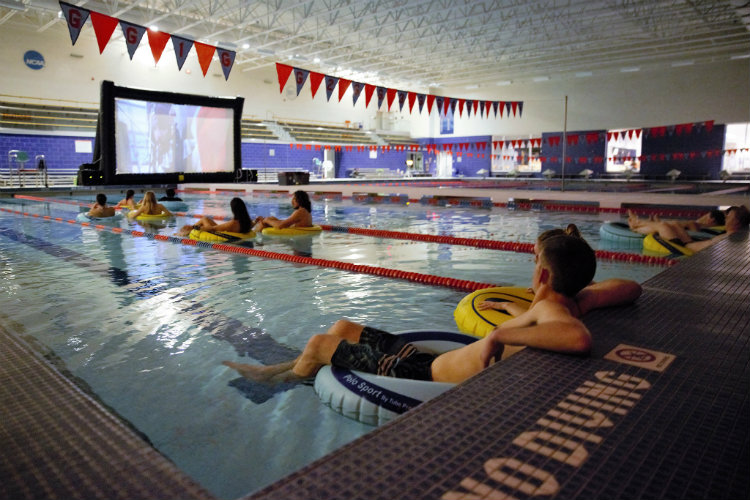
[583, 155]
[698, 141]
[59, 151]
[480, 159]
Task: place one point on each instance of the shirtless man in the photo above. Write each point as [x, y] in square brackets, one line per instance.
[735, 219]
[100, 208]
[301, 217]
[563, 267]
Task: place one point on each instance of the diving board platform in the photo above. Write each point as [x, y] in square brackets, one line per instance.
[660, 410]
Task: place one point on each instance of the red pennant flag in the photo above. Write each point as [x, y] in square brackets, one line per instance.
[369, 90]
[487, 106]
[476, 105]
[514, 105]
[281, 69]
[315, 79]
[343, 85]
[709, 126]
[688, 128]
[502, 107]
[76, 18]
[430, 101]
[157, 40]
[461, 103]
[446, 105]
[391, 93]
[104, 26]
[205, 54]
[412, 97]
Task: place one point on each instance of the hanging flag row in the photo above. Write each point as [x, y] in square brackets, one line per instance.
[104, 27]
[480, 108]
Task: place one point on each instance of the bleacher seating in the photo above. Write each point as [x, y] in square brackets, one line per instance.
[308, 132]
[29, 116]
[256, 129]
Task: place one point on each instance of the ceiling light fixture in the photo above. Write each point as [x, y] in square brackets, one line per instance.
[541, 78]
[629, 70]
[740, 56]
[584, 74]
[677, 64]
[504, 83]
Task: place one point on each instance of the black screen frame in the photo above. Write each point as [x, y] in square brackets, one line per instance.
[104, 148]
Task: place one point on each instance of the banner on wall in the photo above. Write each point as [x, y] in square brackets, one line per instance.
[443, 104]
[104, 26]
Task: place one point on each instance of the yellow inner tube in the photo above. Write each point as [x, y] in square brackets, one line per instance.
[654, 244]
[152, 217]
[471, 320]
[221, 237]
[291, 231]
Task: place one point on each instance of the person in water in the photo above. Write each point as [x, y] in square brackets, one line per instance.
[301, 217]
[128, 201]
[240, 223]
[100, 208]
[564, 266]
[149, 206]
[607, 293]
[170, 196]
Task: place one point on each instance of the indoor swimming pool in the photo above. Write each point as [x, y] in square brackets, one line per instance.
[144, 324]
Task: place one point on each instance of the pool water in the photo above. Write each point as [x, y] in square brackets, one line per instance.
[145, 324]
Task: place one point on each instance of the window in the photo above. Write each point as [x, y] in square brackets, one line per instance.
[623, 151]
[737, 148]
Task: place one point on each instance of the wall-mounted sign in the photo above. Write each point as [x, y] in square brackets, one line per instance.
[33, 59]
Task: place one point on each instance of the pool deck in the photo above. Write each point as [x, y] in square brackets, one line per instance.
[659, 410]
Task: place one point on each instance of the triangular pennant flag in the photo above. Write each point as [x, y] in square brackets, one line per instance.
[380, 91]
[76, 17]
[391, 94]
[487, 106]
[461, 103]
[412, 97]
[356, 91]
[315, 79]
[430, 101]
[182, 48]
[132, 33]
[469, 104]
[157, 40]
[420, 99]
[709, 126]
[454, 102]
[439, 103]
[481, 108]
[369, 90]
[475, 105]
[515, 107]
[507, 108]
[300, 77]
[495, 104]
[401, 99]
[205, 53]
[520, 108]
[446, 105]
[283, 71]
[104, 26]
[331, 82]
[226, 58]
[343, 85]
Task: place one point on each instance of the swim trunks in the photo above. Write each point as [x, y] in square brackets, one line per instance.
[383, 353]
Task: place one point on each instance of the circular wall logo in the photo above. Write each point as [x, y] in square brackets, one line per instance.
[33, 59]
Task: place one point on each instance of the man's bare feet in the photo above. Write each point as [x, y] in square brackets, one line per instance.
[257, 373]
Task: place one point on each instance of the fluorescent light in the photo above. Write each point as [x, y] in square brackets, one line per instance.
[316, 60]
[629, 70]
[267, 52]
[741, 56]
[541, 78]
[677, 64]
[504, 83]
[584, 74]
[471, 87]
[154, 28]
[245, 46]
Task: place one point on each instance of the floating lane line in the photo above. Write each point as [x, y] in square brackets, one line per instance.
[427, 279]
[506, 246]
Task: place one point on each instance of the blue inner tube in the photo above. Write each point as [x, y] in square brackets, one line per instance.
[374, 399]
[619, 234]
[85, 217]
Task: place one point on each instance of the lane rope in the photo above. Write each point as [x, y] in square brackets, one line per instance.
[507, 246]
